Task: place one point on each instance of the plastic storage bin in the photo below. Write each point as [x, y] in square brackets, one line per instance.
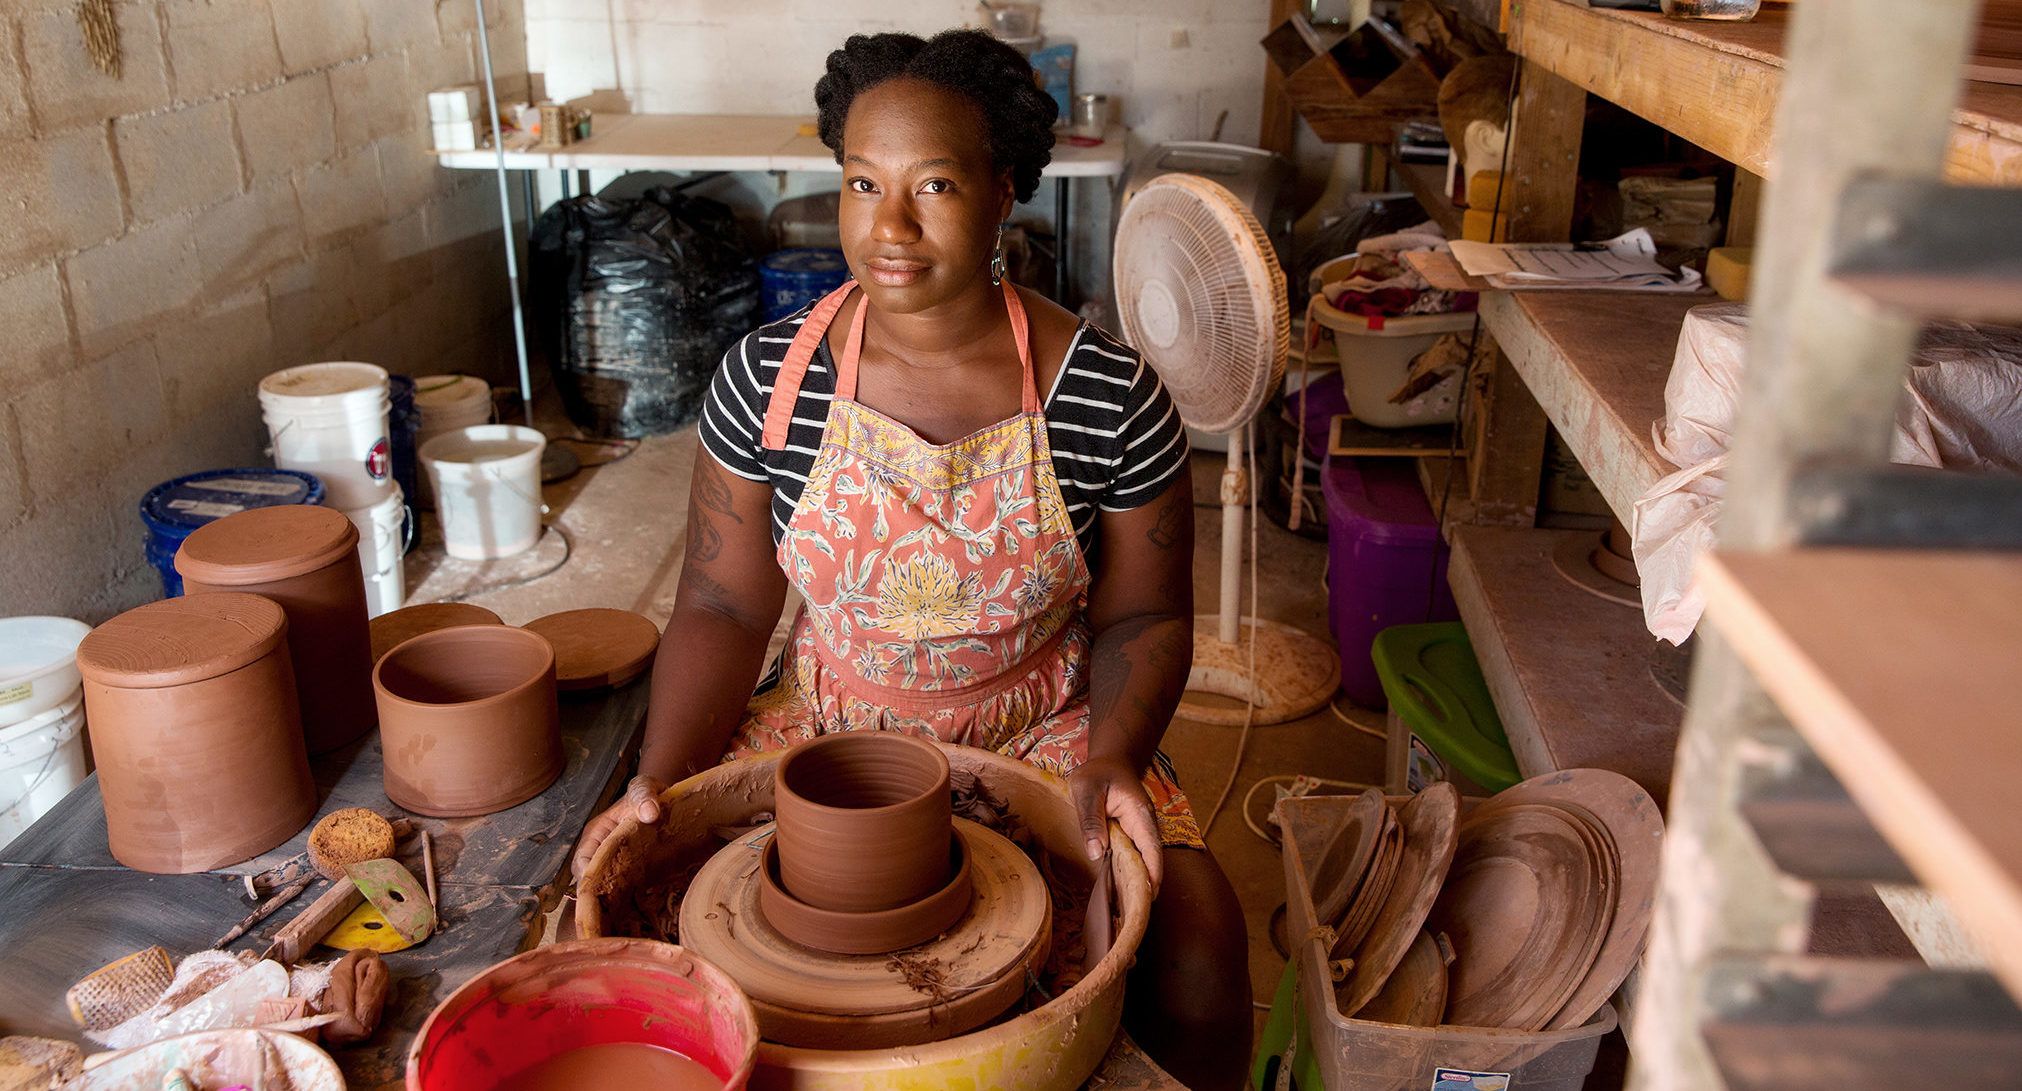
[1358, 1055]
[1386, 564]
[1376, 354]
[1437, 694]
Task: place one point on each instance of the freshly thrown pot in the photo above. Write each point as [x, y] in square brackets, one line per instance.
[195, 733]
[864, 821]
[306, 559]
[468, 721]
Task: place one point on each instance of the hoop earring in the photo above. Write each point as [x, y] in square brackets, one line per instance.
[997, 266]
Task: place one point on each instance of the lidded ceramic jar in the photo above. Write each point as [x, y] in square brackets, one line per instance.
[195, 732]
[306, 559]
[467, 720]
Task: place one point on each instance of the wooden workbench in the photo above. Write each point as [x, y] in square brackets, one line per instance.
[67, 907]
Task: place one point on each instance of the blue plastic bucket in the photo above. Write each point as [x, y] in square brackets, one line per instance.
[174, 508]
[792, 279]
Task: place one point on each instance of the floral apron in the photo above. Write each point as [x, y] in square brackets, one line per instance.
[943, 585]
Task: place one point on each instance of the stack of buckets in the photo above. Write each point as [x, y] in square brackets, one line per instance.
[331, 420]
[175, 508]
[41, 718]
[482, 479]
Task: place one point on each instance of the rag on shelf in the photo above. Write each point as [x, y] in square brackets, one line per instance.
[1379, 284]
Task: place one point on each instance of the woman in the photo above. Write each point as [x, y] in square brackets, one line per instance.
[980, 565]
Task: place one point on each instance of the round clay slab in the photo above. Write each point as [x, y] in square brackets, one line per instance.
[597, 646]
[390, 630]
[1431, 823]
[1415, 994]
[817, 1000]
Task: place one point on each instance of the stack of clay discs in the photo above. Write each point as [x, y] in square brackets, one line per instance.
[598, 648]
[194, 731]
[1387, 959]
[949, 985]
[306, 559]
[391, 629]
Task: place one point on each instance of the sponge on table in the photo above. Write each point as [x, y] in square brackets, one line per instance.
[1728, 269]
[350, 836]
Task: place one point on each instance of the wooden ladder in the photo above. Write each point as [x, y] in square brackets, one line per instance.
[1860, 241]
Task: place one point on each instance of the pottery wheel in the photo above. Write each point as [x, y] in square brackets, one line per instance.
[1431, 822]
[1520, 908]
[598, 647]
[1573, 556]
[948, 985]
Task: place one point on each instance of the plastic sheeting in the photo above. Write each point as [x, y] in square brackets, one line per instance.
[1961, 410]
[635, 302]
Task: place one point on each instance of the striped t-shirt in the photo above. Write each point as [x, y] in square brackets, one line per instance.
[1117, 441]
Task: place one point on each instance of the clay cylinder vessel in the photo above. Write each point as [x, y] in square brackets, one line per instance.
[468, 721]
[306, 559]
[195, 732]
[864, 821]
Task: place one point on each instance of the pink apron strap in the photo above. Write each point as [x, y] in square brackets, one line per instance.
[1021, 332]
[793, 370]
[853, 350]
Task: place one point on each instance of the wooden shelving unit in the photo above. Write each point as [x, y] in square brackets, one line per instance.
[1569, 670]
[1896, 667]
[1717, 84]
[1427, 182]
[1597, 363]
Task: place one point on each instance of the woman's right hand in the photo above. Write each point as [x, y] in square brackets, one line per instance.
[641, 802]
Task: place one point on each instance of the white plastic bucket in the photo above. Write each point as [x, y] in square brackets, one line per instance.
[446, 404]
[1376, 357]
[487, 483]
[330, 420]
[38, 664]
[382, 539]
[41, 760]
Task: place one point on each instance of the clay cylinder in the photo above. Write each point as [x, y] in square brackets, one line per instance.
[195, 732]
[864, 821]
[306, 559]
[468, 721]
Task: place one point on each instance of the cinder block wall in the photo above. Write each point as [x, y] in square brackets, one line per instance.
[253, 191]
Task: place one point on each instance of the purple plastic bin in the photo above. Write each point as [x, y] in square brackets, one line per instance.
[1382, 546]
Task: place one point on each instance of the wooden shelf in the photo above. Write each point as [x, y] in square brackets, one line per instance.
[1569, 670]
[1716, 84]
[1597, 363]
[1898, 668]
[1427, 182]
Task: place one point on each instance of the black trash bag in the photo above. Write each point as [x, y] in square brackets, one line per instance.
[635, 302]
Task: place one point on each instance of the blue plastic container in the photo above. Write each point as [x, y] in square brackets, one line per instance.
[180, 505]
[792, 279]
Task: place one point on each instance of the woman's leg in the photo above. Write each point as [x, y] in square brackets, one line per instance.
[1188, 1000]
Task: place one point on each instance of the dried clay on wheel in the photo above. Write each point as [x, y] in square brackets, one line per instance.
[598, 647]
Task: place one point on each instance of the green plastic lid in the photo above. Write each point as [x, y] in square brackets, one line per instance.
[1435, 686]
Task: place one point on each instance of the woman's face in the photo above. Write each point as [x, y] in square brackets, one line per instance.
[920, 201]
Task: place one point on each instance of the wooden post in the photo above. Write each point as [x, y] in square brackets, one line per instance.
[1865, 89]
[1277, 127]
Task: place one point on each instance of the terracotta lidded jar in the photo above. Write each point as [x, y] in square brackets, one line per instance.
[468, 720]
[195, 732]
[306, 559]
[865, 822]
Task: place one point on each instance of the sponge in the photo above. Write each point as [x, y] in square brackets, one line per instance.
[1728, 269]
[1475, 222]
[350, 836]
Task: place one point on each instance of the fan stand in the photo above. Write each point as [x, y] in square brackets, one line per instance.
[1296, 672]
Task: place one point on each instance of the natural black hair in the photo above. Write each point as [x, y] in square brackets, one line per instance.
[997, 78]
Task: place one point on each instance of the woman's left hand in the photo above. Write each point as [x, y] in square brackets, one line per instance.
[1106, 788]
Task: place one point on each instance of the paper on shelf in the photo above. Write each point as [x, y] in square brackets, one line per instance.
[1627, 262]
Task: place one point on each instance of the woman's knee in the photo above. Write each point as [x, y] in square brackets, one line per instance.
[1197, 941]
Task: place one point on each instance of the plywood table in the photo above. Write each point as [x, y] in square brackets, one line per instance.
[67, 907]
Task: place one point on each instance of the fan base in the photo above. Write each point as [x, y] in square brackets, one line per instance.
[1297, 673]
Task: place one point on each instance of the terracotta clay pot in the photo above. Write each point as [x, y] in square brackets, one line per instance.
[864, 821]
[306, 559]
[864, 933]
[468, 721]
[195, 732]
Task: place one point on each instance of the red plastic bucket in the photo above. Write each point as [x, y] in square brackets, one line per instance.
[554, 1000]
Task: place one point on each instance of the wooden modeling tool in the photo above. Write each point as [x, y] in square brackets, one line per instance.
[266, 909]
[390, 891]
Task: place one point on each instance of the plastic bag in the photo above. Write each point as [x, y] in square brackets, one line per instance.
[635, 302]
[1961, 410]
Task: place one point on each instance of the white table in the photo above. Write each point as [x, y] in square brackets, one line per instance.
[754, 142]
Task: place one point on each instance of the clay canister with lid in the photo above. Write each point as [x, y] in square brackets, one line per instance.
[306, 559]
[195, 732]
[468, 720]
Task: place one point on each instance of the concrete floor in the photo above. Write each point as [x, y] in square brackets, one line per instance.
[625, 526]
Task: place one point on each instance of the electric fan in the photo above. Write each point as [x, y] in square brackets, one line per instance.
[1201, 295]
